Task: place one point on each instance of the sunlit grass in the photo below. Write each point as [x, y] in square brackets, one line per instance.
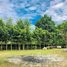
[28, 52]
[31, 52]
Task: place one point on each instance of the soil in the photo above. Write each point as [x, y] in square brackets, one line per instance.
[35, 59]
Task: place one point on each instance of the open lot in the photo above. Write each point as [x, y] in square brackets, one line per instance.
[5, 54]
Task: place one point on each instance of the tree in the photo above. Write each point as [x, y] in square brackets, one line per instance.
[24, 25]
[2, 30]
[63, 30]
[22, 32]
[3, 33]
[46, 23]
[41, 37]
[56, 38]
[10, 28]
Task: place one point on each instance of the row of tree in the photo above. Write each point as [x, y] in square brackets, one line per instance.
[46, 32]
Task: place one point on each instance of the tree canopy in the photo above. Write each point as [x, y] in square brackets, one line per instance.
[46, 23]
[45, 33]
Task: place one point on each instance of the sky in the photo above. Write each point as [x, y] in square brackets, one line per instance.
[34, 9]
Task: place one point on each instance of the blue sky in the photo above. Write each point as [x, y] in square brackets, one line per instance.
[34, 9]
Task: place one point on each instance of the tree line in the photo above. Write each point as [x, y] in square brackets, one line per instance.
[46, 32]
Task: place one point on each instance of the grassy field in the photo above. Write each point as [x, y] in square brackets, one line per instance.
[5, 54]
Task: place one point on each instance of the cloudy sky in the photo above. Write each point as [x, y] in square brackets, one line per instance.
[34, 9]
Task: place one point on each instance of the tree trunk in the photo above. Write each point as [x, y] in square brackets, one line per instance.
[1, 46]
[6, 46]
[19, 46]
[27, 46]
[11, 46]
[34, 46]
[23, 46]
[40, 46]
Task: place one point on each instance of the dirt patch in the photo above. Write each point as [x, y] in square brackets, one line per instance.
[35, 59]
[38, 61]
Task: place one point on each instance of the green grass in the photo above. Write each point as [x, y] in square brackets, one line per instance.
[8, 53]
[30, 52]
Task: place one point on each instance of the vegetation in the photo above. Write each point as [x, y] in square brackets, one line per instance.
[19, 35]
[6, 54]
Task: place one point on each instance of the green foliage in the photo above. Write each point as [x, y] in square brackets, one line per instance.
[63, 30]
[41, 36]
[46, 23]
[45, 33]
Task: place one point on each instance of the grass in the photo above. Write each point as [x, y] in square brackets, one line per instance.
[8, 53]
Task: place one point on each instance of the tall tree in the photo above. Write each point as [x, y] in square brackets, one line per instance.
[63, 30]
[41, 37]
[46, 23]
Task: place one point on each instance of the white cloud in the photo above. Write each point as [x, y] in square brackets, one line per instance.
[54, 10]
[6, 9]
[21, 8]
[54, 2]
[58, 5]
[32, 8]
